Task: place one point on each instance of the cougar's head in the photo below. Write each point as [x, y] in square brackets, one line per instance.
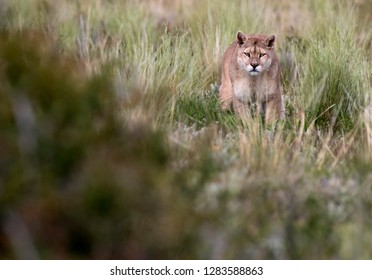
[255, 52]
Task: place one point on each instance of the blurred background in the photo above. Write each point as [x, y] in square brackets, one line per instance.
[113, 146]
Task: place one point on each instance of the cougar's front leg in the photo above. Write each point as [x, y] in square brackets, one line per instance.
[241, 108]
[274, 109]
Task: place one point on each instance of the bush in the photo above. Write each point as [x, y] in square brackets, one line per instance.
[75, 179]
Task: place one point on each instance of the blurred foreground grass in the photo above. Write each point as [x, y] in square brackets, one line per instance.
[112, 144]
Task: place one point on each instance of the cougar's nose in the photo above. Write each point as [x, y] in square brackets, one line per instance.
[254, 64]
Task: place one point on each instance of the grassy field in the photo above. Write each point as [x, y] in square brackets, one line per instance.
[112, 143]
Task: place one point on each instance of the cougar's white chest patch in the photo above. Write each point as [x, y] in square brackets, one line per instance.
[243, 91]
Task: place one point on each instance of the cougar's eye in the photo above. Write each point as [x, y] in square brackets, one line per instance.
[247, 54]
[262, 55]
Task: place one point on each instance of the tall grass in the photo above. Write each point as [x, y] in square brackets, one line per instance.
[162, 172]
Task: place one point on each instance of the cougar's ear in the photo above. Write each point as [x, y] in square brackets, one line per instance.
[269, 41]
[241, 38]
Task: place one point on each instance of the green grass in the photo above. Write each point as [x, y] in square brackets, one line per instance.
[113, 141]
